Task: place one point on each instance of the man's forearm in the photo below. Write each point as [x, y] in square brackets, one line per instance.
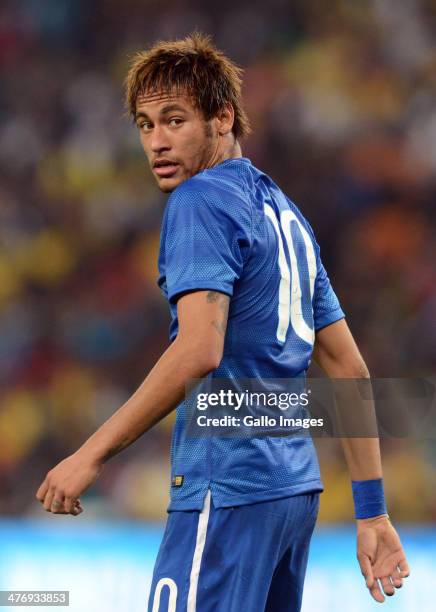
[363, 458]
[363, 454]
[337, 354]
[158, 395]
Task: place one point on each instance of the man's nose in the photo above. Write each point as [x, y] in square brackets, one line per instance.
[159, 141]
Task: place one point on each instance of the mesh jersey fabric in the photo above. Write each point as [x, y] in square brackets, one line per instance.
[231, 229]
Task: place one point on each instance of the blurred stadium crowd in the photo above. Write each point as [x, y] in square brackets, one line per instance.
[341, 99]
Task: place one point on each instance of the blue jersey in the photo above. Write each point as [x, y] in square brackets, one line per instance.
[231, 229]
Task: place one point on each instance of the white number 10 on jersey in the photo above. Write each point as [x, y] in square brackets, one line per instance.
[291, 298]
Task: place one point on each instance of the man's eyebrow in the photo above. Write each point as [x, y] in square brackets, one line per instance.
[169, 108]
[140, 115]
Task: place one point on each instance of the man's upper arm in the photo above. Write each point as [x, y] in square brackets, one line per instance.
[202, 317]
[336, 352]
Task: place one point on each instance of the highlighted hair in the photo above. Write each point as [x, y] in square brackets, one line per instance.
[191, 66]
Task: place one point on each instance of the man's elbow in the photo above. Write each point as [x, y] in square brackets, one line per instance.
[209, 359]
[359, 369]
[352, 367]
[342, 365]
[200, 356]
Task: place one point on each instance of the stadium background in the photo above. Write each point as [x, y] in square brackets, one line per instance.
[341, 97]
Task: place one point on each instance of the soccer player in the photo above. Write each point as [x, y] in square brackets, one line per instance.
[249, 298]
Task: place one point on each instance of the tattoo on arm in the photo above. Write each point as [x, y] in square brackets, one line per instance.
[213, 296]
[219, 324]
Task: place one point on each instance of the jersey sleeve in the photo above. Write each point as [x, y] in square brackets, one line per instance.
[326, 307]
[207, 237]
[325, 304]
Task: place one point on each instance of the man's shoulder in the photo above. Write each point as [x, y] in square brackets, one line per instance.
[198, 185]
[223, 177]
[218, 191]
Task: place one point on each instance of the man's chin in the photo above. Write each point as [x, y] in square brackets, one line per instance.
[168, 184]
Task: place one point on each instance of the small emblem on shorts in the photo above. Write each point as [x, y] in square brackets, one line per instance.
[177, 481]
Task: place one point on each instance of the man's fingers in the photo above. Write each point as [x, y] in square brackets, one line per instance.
[57, 504]
[396, 579]
[77, 510]
[371, 582]
[366, 569]
[42, 491]
[376, 592]
[48, 500]
[404, 568]
[72, 504]
[387, 586]
[69, 503]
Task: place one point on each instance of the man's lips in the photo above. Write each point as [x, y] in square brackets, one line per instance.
[166, 170]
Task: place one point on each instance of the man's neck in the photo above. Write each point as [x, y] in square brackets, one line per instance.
[231, 151]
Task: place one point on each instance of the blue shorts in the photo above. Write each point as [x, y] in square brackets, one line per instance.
[248, 558]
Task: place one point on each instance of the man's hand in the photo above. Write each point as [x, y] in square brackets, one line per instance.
[381, 556]
[60, 491]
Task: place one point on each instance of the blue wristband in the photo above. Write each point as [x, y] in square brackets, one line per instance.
[369, 498]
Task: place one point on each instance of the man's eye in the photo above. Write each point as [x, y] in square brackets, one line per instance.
[145, 126]
[175, 121]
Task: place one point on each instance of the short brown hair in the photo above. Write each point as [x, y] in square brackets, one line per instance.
[194, 66]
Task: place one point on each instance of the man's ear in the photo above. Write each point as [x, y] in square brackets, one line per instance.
[225, 119]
